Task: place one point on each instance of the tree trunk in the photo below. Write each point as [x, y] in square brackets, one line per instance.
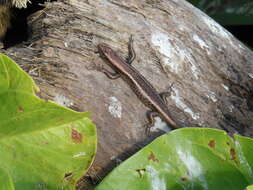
[211, 71]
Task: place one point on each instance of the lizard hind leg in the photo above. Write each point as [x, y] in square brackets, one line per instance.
[151, 121]
[166, 94]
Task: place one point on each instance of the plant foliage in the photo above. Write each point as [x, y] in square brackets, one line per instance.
[43, 146]
[227, 12]
[187, 158]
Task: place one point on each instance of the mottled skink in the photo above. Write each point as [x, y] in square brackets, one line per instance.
[139, 84]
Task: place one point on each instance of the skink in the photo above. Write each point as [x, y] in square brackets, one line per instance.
[139, 84]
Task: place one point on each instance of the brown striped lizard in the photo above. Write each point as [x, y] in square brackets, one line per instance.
[139, 84]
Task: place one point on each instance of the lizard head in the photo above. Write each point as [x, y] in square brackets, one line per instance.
[104, 50]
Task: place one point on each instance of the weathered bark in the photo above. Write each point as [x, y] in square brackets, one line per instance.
[211, 71]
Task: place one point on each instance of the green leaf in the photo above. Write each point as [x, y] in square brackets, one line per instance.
[42, 145]
[6, 181]
[249, 187]
[12, 77]
[187, 158]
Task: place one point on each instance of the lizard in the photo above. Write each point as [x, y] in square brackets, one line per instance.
[139, 84]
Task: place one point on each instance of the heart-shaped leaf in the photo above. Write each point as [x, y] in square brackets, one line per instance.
[43, 146]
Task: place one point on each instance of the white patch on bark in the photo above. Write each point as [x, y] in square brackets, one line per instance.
[251, 75]
[215, 27]
[179, 103]
[219, 30]
[63, 100]
[160, 125]
[231, 108]
[115, 107]
[241, 47]
[212, 96]
[195, 71]
[174, 56]
[201, 43]
[161, 40]
[225, 87]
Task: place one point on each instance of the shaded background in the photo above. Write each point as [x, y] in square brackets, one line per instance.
[235, 15]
